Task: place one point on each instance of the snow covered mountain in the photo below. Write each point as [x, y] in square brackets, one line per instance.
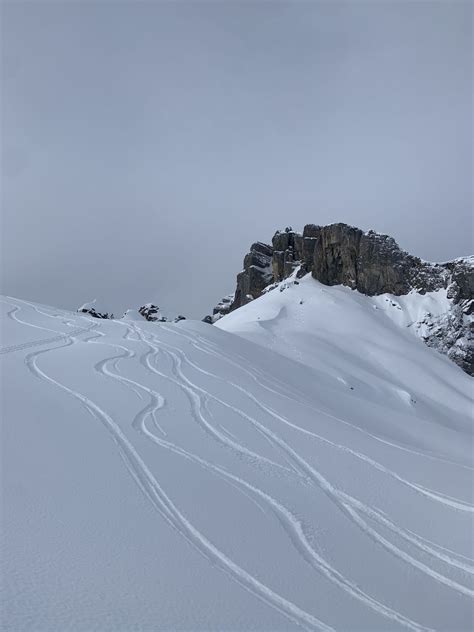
[373, 264]
[306, 463]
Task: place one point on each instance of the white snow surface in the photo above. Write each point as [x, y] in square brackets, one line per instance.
[132, 315]
[306, 463]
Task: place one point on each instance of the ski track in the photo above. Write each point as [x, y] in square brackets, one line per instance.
[169, 511]
[344, 502]
[198, 397]
[290, 524]
[155, 493]
[441, 498]
[404, 533]
[297, 397]
[43, 341]
[197, 405]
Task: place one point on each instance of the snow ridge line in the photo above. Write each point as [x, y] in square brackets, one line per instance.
[12, 314]
[36, 343]
[439, 497]
[211, 349]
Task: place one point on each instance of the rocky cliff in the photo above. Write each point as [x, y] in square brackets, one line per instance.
[372, 264]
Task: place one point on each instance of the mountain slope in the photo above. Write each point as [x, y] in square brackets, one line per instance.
[372, 263]
[179, 476]
[368, 343]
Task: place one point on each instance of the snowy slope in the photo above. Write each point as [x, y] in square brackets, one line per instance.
[368, 343]
[163, 477]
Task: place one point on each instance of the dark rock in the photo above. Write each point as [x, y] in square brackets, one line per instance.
[282, 240]
[286, 253]
[335, 255]
[150, 312]
[278, 265]
[88, 308]
[461, 287]
[222, 308]
[92, 312]
[312, 231]
[369, 262]
[255, 276]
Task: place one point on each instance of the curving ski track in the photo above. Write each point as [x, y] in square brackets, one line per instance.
[142, 348]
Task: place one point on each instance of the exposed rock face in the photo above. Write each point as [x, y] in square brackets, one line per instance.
[286, 253]
[309, 239]
[221, 309]
[255, 276]
[461, 288]
[339, 254]
[371, 263]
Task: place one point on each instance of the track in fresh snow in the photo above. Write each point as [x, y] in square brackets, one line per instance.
[169, 378]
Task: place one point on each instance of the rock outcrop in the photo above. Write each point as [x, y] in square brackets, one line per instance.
[453, 332]
[369, 262]
[151, 312]
[372, 263]
[255, 276]
[89, 308]
[222, 308]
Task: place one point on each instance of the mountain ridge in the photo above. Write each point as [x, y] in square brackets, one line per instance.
[371, 263]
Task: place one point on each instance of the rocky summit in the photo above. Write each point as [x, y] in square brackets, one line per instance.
[371, 263]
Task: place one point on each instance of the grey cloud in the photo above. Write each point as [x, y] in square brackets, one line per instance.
[146, 145]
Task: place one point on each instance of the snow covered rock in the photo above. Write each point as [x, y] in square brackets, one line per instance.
[223, 307]
[89, 308]
[150, 312]
[255, 276]
[373, 264]
[452, 332]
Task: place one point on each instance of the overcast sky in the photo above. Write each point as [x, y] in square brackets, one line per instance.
[146, 145]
